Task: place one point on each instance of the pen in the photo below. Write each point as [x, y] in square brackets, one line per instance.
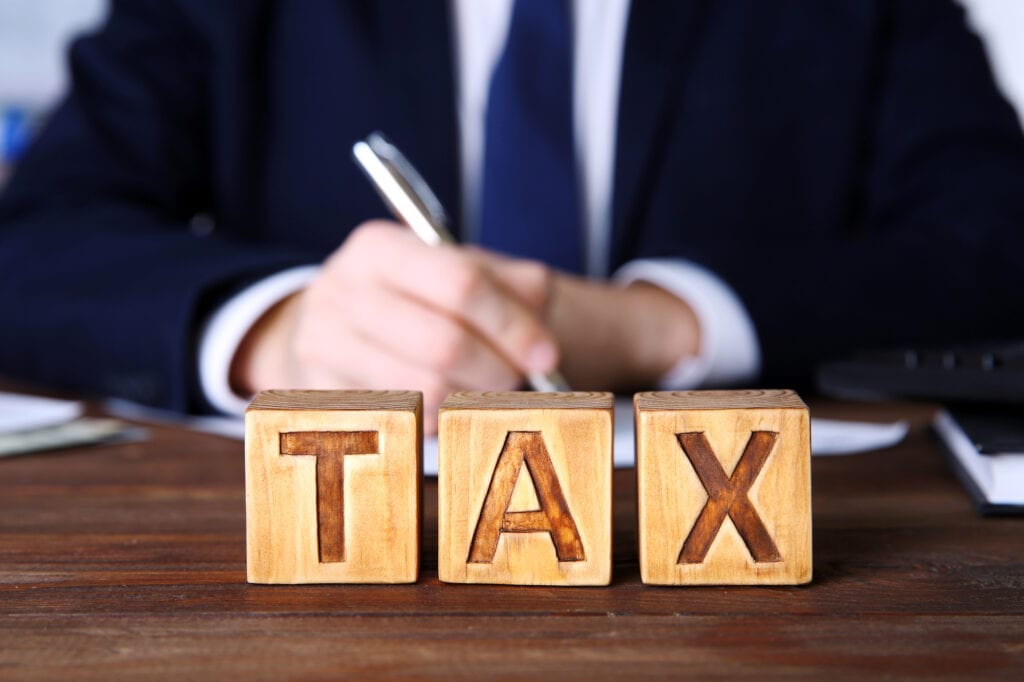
[411, 200]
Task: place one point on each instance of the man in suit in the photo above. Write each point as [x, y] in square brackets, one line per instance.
[758, 186]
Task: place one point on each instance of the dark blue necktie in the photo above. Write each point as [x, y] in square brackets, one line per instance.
[529, 202]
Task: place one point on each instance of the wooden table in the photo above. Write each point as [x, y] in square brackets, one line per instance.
[129, 561]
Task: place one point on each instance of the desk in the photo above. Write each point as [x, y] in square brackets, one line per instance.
[129, 561]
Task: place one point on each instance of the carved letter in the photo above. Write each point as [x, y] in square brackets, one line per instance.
[552, 518]
[728, 496]
[330, 448]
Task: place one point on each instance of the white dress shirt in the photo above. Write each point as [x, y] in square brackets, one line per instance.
[730, 352]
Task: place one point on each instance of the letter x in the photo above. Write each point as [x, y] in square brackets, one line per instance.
[330, 448]
[727, 496]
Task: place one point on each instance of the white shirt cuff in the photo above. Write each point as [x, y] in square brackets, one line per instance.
[730, 353]
[228, 325]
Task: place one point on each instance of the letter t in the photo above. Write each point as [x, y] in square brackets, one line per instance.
[330, 448]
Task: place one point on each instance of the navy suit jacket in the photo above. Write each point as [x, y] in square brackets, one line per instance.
[848, 167]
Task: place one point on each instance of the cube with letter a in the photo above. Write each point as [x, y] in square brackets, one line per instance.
[332, 486]
[525, 488]
[723, 487]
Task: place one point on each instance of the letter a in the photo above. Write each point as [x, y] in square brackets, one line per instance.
[552, 518]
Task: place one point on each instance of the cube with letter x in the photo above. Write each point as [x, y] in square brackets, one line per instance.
[332, 486]
[525, 488]
[724, 488]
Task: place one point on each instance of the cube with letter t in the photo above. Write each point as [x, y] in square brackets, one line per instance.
[724, 487]
[525, 488]
[332, 486]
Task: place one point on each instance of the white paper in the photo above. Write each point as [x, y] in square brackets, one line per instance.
[229, 427]
[28, 412]
[828, 436]
[832, 437]
[72, 434]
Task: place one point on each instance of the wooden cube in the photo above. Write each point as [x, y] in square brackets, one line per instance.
[332, 486]
[525, 488]
[724, 488]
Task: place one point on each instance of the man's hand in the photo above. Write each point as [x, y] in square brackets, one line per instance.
[387, 311]
[612, 338]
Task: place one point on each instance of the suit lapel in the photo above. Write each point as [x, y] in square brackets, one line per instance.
[418, 74]
[660, 42]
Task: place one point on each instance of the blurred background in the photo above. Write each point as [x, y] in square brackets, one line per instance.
[34, 35]
[33, 39]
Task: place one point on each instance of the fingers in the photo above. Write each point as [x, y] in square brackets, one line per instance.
[376, 368]
[472, 295]
[427, 339]
[357, 347]
[387, 311]
[529, 280]
[460, 285]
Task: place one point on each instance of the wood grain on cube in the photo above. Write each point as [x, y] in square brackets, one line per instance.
[332, 485]
[524, 488]
[723, 487]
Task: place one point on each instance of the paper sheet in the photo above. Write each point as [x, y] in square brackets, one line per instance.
[828, 436]
[27, 412]
[33, 424]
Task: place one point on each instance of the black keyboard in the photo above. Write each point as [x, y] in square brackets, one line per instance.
[992, 373]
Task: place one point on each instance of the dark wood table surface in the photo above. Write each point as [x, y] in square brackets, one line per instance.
[128, 561]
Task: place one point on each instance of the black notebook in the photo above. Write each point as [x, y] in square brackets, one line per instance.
[986, 447]
[983, 429]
